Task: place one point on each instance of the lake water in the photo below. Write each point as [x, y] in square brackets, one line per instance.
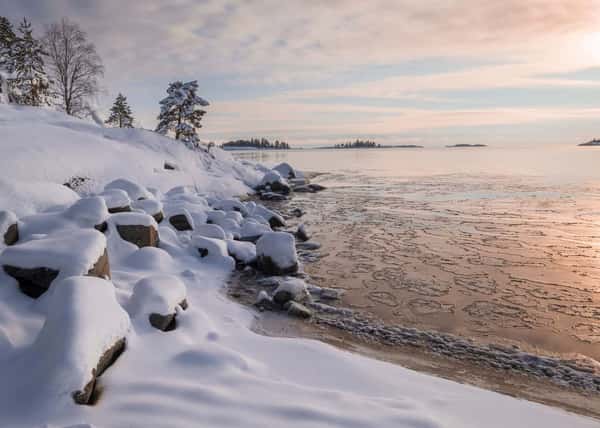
[501, 245]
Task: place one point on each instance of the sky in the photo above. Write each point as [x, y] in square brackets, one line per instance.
[310, 72]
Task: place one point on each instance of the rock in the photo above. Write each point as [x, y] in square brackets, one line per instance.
[133, 190]
[290, 289]
[285, 170]
[309, 188]
[151, 207]
[276, 253]
[298, 310]
[138, 228]
[9, 227]
[210, 231]
[83, 334]
[140, 235]
[264, 302]
[180, 222]
[170, 166]
[244, 253]
[230, 205]
[38, 263]
[301, 233]
[157, 298]
[297, 212]
[270, 196]
[274, 182]
[209, 246]
[117, 200]
[329, 294]
[76, 183]
[84, 396]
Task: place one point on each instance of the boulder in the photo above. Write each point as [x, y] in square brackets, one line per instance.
[230, 205]
[251, 230]
[170, 166]
[301, 233]
[9, 228]
[38, 263]
[264, 302]
[138, 228]
[276, 253]
[151, 207]
[285, 170]
[157, 299]
[297, 310]
[270, 196]
[290, 289]
[83, 334]
[309, 188]
[244, 253]
[210, 231]
[117, 200]
[209, 246]
[274, 182]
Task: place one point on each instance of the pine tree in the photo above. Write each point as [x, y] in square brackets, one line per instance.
[180, 113]
[31, 82]
[7, 40]
[120, 113]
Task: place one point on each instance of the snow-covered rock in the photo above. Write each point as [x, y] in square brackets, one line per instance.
[242, 252]
[36, 264]
[134, 190]
[156, 299]
[209, 246]
[274, 182]
[9, 228]
[274, 219]
[298, 310]
[301, 233]
[276, 253]
[84, 332]
[117, 200]
[210, 231]
[151, 207]
[230, 205]
[285, 170]
[138, 228]
[252, 230]
[290, 289]
[88, 212]
[179, 217]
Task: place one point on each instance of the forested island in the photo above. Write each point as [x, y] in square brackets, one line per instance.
[256, 143]
[358, 144]
[594, 142]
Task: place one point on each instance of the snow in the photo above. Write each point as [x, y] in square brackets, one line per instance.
[149, 206]
[213, 370]
[83, 320]
[272, 177]
[7, 219]
[116, 198]
[280, 247]
[88, 211]
[132, 219]
[157, 294]
[295, 286]
[244, 252]
[72, 253]
[230, 205]
[210, 231]
[133, 190]
[171, 210]
[215, 247]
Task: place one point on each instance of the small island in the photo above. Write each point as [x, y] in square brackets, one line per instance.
[255, 144]
[358, 144]
[594, 142]
[466, 145]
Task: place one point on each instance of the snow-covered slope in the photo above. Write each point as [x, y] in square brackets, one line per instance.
[212, 370]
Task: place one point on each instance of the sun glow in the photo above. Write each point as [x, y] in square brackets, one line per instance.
[590, 45]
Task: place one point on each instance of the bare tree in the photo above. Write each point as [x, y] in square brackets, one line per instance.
[74, 66]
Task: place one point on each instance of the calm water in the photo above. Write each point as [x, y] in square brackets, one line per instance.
[497, 244]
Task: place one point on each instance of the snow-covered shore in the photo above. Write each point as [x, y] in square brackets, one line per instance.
[212, 370]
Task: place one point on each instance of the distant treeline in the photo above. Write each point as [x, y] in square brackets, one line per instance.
[256, 143]
[358, 144]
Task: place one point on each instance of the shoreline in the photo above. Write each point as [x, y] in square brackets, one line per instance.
[535, 377]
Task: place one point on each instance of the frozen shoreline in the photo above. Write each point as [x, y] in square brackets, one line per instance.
[212, 370]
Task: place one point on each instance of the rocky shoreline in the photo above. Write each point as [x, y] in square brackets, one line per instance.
[321, 307]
